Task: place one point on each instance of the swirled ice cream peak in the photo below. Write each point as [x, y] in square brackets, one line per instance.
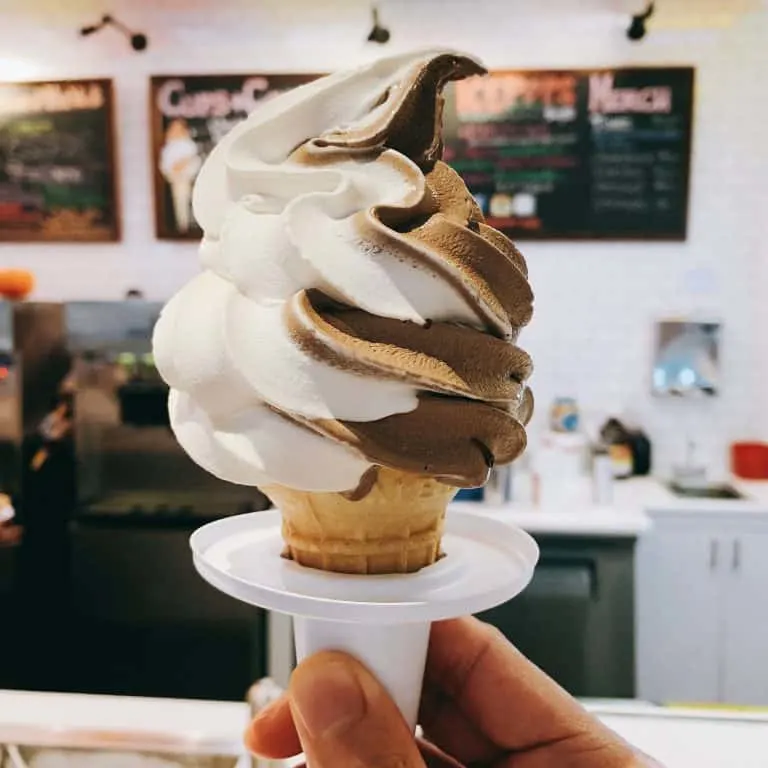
[354, 309]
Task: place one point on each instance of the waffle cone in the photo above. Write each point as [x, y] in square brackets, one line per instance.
[395, 528]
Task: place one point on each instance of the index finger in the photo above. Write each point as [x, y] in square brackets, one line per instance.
[504, 697]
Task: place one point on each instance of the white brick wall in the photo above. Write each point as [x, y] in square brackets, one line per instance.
[596, 302]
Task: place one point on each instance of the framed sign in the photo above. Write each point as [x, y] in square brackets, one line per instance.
[589, 154]
[57, 165]
[190, 114]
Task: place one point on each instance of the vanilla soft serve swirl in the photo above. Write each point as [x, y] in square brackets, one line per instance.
[354, 309]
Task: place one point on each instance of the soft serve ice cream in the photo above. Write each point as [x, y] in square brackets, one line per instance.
[354, 312]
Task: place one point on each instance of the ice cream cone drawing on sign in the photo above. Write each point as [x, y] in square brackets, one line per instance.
[179, 164]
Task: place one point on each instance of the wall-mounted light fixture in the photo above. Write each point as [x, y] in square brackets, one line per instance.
[137, 40]
[379, 34]
[637, 30]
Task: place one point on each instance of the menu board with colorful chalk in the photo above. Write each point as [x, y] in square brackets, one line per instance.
[57, 169]
[190, 115]
[593, 154]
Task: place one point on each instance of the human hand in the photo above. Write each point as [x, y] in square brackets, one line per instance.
[484, 704]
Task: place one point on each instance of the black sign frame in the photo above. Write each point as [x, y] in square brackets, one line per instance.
[204, 107]
[569, 89]
[24, 191]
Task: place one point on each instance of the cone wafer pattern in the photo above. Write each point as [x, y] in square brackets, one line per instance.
[395, 528]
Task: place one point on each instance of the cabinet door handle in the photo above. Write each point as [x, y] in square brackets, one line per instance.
[713, 550]
[736, 560]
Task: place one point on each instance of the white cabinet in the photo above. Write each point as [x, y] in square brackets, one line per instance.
[702, 610]
[677, 626]
[745, 678]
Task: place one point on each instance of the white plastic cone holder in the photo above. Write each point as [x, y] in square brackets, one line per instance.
[382, 620]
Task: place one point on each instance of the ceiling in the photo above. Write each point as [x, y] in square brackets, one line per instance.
[669, 13]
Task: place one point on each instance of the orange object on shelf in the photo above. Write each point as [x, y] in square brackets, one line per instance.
[16, 283]
[749, 461]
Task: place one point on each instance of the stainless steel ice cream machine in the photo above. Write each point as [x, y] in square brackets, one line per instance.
[106, 501]
[128, 461]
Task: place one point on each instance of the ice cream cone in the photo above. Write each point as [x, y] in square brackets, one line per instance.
[395, 528]
[181, 192]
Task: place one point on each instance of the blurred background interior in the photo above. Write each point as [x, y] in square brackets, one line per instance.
[621, 143]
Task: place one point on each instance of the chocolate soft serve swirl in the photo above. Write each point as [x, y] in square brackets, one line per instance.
[354, 310]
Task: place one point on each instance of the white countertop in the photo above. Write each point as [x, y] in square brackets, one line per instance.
[678, 738]
[635, 502]
[122, 722]
[581, 520]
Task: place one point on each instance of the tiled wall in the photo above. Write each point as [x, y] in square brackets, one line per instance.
[595, 301]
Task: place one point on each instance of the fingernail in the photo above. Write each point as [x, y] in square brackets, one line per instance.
[328, 697]
[259, 720]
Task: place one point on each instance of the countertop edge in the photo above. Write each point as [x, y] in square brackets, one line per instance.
[637, 503]
[593, 522]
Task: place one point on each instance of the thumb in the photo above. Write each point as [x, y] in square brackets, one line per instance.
[345, 718]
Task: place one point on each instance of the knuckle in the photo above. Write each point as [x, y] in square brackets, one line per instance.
[394, 761]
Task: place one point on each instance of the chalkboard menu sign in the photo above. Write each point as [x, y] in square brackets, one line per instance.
[190, 114]
[57, 169]
[594, 154]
